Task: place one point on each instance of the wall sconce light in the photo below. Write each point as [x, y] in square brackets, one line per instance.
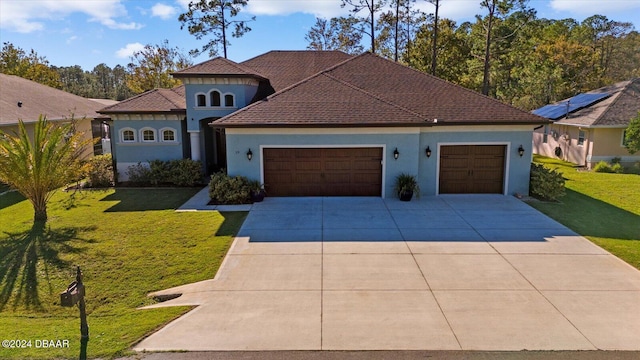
[520, 151]
[396, 154]
[249, 155]
[428, 152]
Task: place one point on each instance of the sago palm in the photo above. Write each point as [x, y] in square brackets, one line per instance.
[37, 166]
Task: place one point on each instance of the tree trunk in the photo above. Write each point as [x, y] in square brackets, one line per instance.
[435, 40]
[40, 213]
[224, 30]
[373, 36]
[487, 51]
[395, 57]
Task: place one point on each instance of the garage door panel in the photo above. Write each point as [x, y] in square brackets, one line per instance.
[472, 169]
[323, 171]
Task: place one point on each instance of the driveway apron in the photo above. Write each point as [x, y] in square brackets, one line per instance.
[456, 272]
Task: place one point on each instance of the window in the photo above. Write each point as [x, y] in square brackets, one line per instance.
[168, 135]
[201, 100]
[545, 136]
[623, 143]
[127, 135]
[228, 100]
[215, 98]
[148, 135]
[580, 137]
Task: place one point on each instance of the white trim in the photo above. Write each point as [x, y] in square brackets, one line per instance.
[219, 81]
[161, 137]
[119, 117]
[121, 135]
[477, 128]
[322, 131]
[329, 146]
[507, 162]
[147, 128]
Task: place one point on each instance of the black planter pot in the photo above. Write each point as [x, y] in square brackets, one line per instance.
[405, 196]
[257, 196]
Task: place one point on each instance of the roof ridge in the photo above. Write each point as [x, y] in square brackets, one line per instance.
[388, 102]
[616, 97]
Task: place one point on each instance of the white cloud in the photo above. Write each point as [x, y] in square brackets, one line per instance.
[71, 39]
[165, 12]
[129, 50]
[320, 8]
[29, 16]
[594, 6]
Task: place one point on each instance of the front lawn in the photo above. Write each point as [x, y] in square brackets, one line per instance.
[605, 208]
[128, 243]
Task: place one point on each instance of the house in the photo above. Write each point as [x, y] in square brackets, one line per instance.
[324, 123]
[590, 127]
[26, 100]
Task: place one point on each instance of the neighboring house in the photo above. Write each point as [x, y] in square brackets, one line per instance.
[590, 127]
[323, 123]
[26, 100]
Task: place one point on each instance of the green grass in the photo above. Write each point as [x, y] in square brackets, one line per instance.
[605, 208]
[128, 242]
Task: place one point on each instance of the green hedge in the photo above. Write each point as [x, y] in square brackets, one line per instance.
[545, 183]
[98, 171]
[183, 172]
[224, 189]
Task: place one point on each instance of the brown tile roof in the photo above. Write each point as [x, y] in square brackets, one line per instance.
[217, 67]
[615, 111]
[285, 68]
[368, 90]
[40, 99]
[152, 101]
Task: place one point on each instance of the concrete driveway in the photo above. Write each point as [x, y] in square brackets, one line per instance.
[441, 273]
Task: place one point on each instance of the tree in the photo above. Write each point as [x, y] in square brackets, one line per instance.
[213, 17]
[36, 168]
[369, 20]
[395, 27]
[152, 66]
[15, 61]
[434, 42]
[632, 135]
[335, 34]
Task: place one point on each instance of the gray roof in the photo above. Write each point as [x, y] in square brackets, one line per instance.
[39, 99]
[617, 110]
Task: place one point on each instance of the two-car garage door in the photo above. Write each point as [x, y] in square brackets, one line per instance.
[323, 171]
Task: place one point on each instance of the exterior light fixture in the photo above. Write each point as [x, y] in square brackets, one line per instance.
[520, 151]
[249, 155]
[396, 154]
[428, 152]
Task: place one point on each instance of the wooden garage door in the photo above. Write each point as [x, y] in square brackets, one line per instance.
[323, 172]
[472, 169]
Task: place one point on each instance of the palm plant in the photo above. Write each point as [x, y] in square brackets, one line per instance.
[36, 166]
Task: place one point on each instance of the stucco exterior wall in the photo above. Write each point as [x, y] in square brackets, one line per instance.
[128, 154]
[607, 144]
[243, 93]
[410, 142]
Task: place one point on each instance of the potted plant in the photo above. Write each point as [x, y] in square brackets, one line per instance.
[405, 186]
[256, 191]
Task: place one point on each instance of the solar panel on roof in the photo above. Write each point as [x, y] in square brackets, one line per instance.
[580, 101]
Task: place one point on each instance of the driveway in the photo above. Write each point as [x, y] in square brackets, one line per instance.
[440, 273]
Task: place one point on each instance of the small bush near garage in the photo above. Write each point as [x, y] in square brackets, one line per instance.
[224, 189]
[99, 171]
[603, 167]
[545, 183]
[183, 172]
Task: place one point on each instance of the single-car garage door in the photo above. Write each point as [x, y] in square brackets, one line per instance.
[323, 171]
[472, 169]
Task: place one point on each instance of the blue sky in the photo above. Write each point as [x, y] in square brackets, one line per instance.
[90, 32]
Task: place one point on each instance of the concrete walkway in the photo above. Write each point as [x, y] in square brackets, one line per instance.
[441, 273]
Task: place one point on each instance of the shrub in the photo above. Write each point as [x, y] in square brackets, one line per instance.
[616, 160]
[617, 168]
[603, 167]
[545, 183]
[185, 172]
[224, 189]
[99, 171]
[634, 169]
[139, 173]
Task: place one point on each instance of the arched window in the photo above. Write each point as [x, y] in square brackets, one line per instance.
[127, 135]
[168, 135]
[228, 100]
[201, 100]
[148, 135]
[215, 98]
